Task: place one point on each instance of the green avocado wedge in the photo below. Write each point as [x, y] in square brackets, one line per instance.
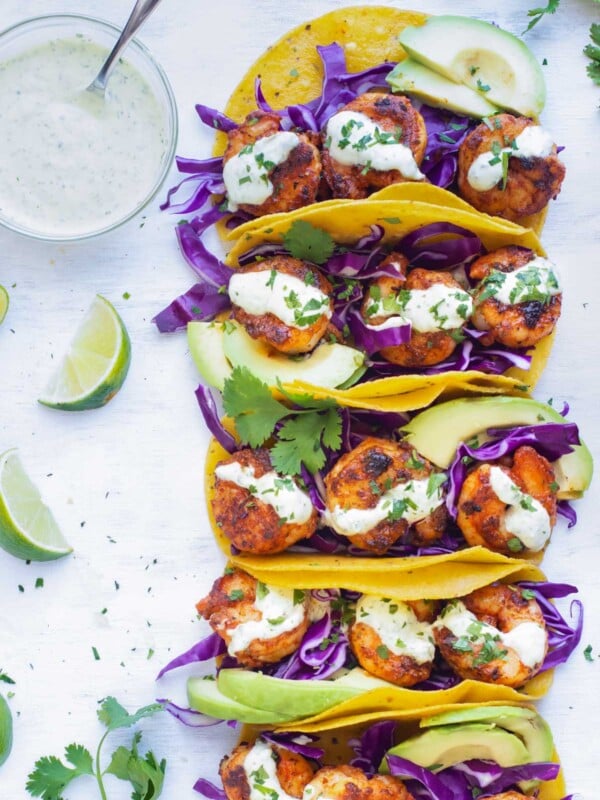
[436, 433]
[487, 59]
[294, 699]
[217, 347]
[204, 696]
[410, 77]
[446, 746]
[6, 730]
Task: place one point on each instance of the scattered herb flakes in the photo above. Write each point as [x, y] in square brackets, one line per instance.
[126, 295]
[96, 654]
[588, 653]
[39, 583]
[4, 678]
[150, 654]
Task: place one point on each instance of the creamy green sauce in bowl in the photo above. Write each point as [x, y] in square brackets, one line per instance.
[73, 163]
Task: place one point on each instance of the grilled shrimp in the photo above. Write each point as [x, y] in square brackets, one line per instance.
[537, 298]
[495, 634]
[260, 624]
[434, 337]
[393, 640]
[295, 181]
[359, 144]
[531, 180]
[378, 490]
[282, 302]
[273, 768]
[351, 783]
[258, 510]
[510, 510]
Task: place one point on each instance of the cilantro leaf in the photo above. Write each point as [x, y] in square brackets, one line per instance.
[301, 439]
[308, 243]
[145, 774]
[50, 775]
[4, 678]
[250, 402]
[537, 14]
[592, 51]
[112, 714]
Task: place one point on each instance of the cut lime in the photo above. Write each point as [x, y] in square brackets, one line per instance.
[27, 528]
[6, 730]
[3, 303]
[96, 363]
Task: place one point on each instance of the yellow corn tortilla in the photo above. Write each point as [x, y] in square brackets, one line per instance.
[335, 733]
[394, 210]
[290, 70]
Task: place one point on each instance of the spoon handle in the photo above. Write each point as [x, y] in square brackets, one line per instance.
[140, 13]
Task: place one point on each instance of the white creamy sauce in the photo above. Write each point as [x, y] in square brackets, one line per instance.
[282, 493]
[527, 639]
[536, 280]
[527, 519]
[246, 175]
[438, 308]
[282, 610]
[487, 169]
[73, 162]
[397, 626]
[390, 322]
[411, 501]
[290, 299]
[310, 793]
[354, 139]
[261, 773]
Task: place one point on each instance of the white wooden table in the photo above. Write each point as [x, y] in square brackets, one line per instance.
[125, 482]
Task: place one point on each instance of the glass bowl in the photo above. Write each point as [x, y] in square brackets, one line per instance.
[37, 33]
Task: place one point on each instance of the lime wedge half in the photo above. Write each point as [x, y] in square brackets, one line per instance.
[27, 528]
[6, 730]
[3, 303]
[96, 363]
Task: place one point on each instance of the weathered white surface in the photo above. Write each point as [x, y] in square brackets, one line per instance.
[132, 472]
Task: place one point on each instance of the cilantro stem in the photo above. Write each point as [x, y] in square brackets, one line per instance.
[99, 772]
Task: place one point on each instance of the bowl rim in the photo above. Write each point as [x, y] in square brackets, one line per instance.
[172, 114]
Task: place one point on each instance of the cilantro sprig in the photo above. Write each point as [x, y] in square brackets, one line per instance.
[536, 14]
[592, 51]
[51, 776]
[313, 425]
[308, 243]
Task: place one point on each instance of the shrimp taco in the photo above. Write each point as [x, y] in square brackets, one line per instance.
[500, 752]
[469, 480]
[381, 297]
[287, 653]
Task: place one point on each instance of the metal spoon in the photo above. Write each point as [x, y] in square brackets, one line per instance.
[140, 13]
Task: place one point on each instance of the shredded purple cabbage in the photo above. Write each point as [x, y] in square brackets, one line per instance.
[372, 340]
[208, 407]
[188, 716]
[424, 248]
[202, 302]
[209, 647]
[562, 638]
[301, 743]
[372, 745]
[435, 787]
[208, 789]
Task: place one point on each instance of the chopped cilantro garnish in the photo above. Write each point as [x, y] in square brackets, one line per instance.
[308, 243]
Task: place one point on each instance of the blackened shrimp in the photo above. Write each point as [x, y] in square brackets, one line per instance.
[509, 509]
[267, 170]
[508, 167]
[433, 302]
[393, 640]
[496, 634]
[378, 490]
[257, 509]
[518, 299]
[261, 624]
[266, 769]
[351, 783]
[374, 141]
[282, 302]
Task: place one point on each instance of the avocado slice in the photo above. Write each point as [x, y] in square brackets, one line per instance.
[204, 696]
[443, 747]
[6, 730]
[358, 678]
[487, 59]
[294, 699]
[217, 347]
[434, 89]
[436, 433]
[525, 723]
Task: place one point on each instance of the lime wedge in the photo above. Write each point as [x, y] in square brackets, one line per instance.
[96, 363]
[27, 528]
[3, 303]
[6, 730]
